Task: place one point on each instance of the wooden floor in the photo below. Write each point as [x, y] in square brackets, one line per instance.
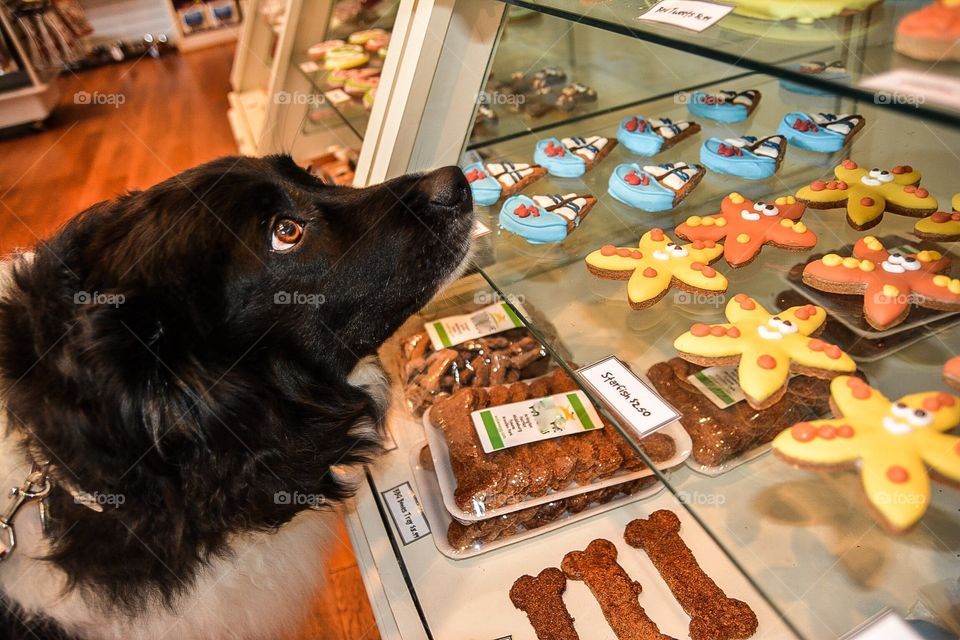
[173, 116]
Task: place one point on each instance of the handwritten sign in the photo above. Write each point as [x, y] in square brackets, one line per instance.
[626, 394]
[694, 15]
[406, 513]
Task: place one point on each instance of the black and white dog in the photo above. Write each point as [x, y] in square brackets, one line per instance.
[182, 361]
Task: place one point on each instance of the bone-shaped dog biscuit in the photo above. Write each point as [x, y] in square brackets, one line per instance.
[613, 589]
[541, 598]
[713, 616]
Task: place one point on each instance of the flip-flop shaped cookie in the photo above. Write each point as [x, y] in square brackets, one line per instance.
[867, 193]
[766, 348]
[833, 72]
[658, 265]
[943, 226]
[891, 444]
[572, 157]
[745, 226]
[491, 181]
[724, 106]
[889, 282]
[648, 137]
[821, 132]
[545, 218]
[745, 157]
[657, 187]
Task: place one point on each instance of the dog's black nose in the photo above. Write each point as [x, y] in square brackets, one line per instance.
[447, 187]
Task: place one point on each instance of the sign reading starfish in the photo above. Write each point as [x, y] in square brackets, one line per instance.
[868, 193]
[658, 265]
[765, 347]
[745, 226]
[888, 282]
[892, 443]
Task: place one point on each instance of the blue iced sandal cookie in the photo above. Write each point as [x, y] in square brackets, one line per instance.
[649, 137]
[657, 187]
[572, 157]
[492, 181]
[724, 106]
[823, 132]
[545, 218]
[747, 157]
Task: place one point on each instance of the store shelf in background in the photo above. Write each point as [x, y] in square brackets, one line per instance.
[864, 42]
[246, 116]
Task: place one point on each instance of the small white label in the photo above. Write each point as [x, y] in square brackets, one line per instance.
[629, 396]
[309, 66]
[450, 331]
[695, 15]
[720, 384]
[886, 625]
[509, 425]
[914, 88]
[406, 512]
[480, 229]
[337, 96]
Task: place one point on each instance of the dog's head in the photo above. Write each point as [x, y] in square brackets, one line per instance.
[190, 348]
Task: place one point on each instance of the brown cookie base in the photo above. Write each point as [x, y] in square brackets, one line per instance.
[692, 130]
[690, 186]
[603, 153]
[538, 172]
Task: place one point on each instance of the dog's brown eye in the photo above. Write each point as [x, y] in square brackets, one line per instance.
[286, 233]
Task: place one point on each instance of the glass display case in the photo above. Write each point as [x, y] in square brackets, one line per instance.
[804, 547]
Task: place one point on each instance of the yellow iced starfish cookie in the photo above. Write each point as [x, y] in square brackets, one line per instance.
[868, 193]
[893, 442]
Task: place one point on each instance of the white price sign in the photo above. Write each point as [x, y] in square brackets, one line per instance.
[695, 15]
[629, 396]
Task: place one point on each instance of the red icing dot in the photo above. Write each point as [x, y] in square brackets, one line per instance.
[718, 331]
[709, 272]
[700, 330]
[656, 235]
[849, 164]
[845, 431]
[842, 185]
[766, 362]
[649, 272]
[902, 168]
[867, 202]
[635, 254]
[522, 212]
[941, 216]
[623, 253]
[803, 432]
[921, 193]
[816, 344]
[632, 124]
[632, 178]
[832, 351]
[697, 266]
[827, 432]
[733, 332]
[608, 250]
[909, 188]
[832, 185]
[897, 474]
[818, 185]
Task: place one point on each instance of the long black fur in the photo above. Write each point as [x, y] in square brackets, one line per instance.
[199, 398]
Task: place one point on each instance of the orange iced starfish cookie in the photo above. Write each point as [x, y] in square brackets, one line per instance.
[868, 193]
[888, 282]
[765, 347]
[893, 443]
[657, 265]
[745, 226]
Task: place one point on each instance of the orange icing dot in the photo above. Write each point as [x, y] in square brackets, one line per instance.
[623, 253]
[832, 185]
[733, 332]
[818, 185]
[718, 331]
[849, 164]
[635, 254]
[940, 217]
[931, 404]
[897, 474]
[698, 244]
[909, 188]
[827, 432]
[747, 304]
[867, 202]
[921, 193]
[649, 272]
[861, 392]
[802, 313]
[709, 272]
[901, 169]
[816, 344]
[946, 400]
[842, 185]
[845, 431]
[697, 266]
[700, 330]
[608, 250]
[709, 244]
[656, 235]
[767, 362]
[832, 351]
[803, 432]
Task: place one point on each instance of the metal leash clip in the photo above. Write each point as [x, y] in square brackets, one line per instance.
[35, 486]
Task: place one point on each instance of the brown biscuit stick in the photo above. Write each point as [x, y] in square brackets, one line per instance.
[613, 589]
[713, 616]
[541, 598]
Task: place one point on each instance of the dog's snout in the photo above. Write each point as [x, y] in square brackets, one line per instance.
[447, 187]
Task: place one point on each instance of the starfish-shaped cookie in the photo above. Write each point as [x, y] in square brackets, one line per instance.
[745, 226]
[765, 347]
[658, 265]
[892, 443]
[868, 193]
[888, 282]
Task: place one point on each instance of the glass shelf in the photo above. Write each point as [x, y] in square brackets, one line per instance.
[351, 112]
[863, 42]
